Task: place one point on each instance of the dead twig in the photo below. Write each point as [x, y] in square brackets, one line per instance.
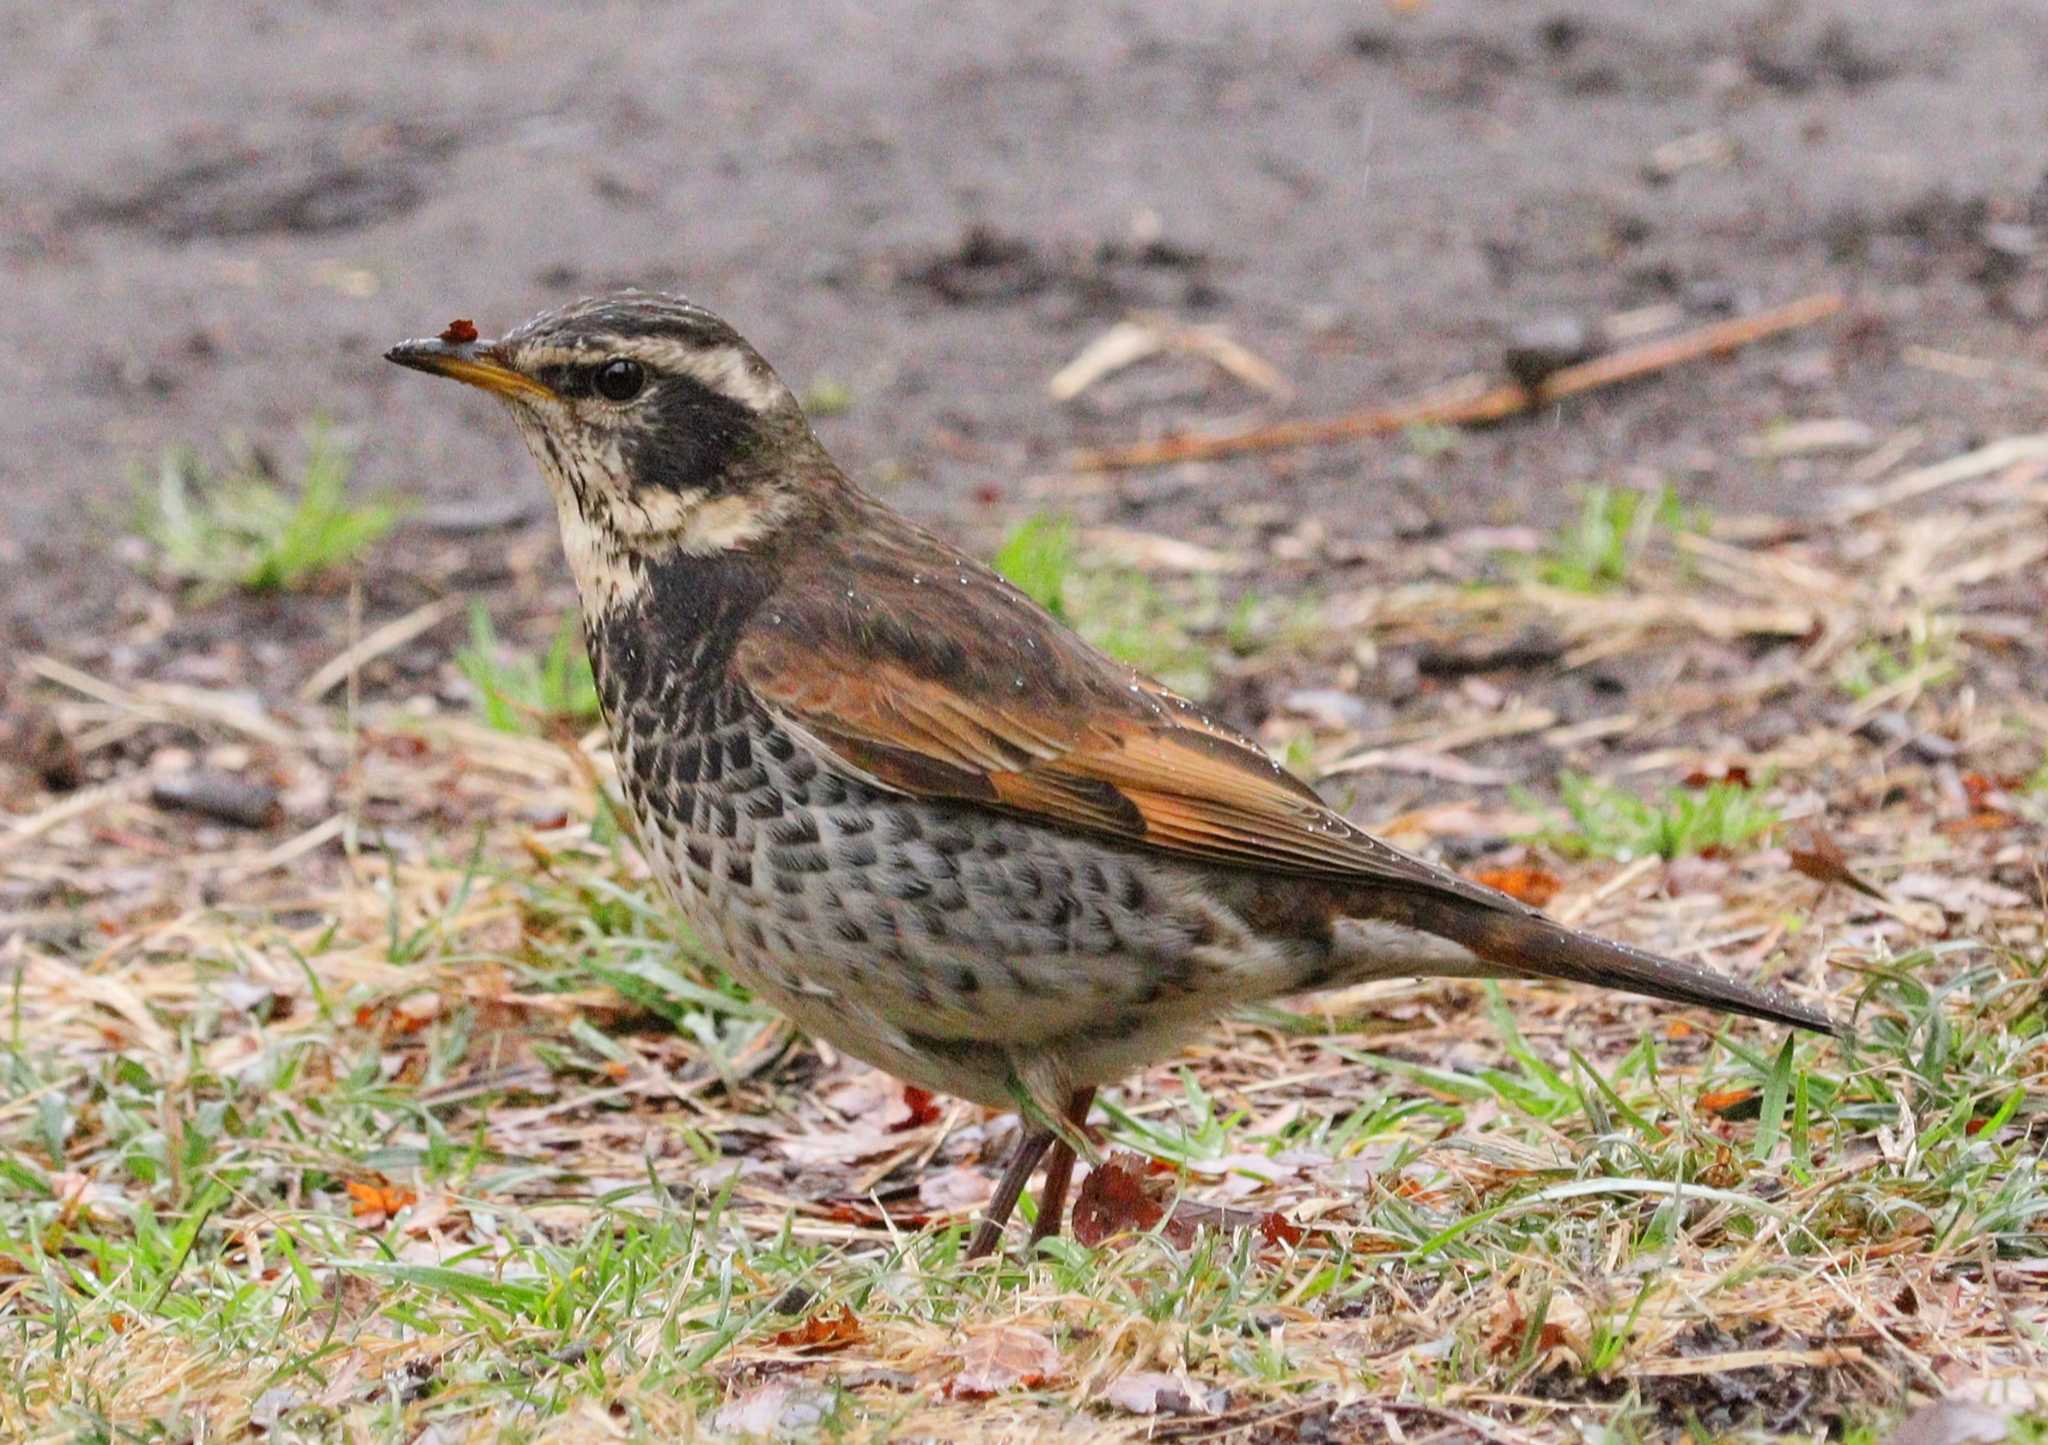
[391, 635]
[1466, 409]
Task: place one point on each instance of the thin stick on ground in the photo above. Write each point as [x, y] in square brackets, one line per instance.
[1494, 404]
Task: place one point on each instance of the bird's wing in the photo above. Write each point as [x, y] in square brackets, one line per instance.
[946, 682]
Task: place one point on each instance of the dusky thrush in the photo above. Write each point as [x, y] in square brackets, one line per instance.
[913, 810]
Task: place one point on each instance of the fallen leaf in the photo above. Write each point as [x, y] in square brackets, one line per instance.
[415, 1011]
[1148, 1392]
[776, 1410]
[874, 1106]
[1253, 1169]
[1190, 1217]
[1824, 862]
[1118, 1197]
[822, 1333]
[1277, 1228]
[1989, 794]
[459, 332]
[1127, 1194]
[1730, 1103]
[1005, 1357]
[921, 1107]
[1532, 885]
[1987, 820]
[1505, 1324]
[385, 1199]
[828, 1148]
[434, 1211]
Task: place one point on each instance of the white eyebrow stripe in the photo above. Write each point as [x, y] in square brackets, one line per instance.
[533, 357]
[727, 370]
[731, 371]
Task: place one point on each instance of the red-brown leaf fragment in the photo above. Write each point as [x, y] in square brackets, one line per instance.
[923, 1109]
[1277, 1228]
[459, 332]
[1989, 820]
[1824, 862]
[1118, 1197]
[822, 1333]
[1728, 1103]
[1125, 1196]
[1735, 775]
[1533, 886]
[379, 1198]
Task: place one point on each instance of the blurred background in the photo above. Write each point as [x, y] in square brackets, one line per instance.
[215, 216]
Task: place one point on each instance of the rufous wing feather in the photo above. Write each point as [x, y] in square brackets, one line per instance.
[977, 694]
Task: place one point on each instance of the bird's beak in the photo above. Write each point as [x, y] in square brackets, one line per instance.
[476, 362]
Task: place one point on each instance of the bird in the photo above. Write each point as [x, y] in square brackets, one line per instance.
[911, 809]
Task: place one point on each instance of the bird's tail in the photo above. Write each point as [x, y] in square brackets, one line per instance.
[1527, 945]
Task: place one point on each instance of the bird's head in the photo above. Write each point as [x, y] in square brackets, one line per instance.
[659, 429]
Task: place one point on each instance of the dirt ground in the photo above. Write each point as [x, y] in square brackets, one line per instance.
[215, 216]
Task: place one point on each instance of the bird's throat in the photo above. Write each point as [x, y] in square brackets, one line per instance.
[667, 644]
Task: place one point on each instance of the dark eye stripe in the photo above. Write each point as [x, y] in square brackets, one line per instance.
[565, 380]
[581, 379]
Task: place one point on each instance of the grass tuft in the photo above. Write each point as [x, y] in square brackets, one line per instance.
[1037, 556]
[516, 691]
[1610, 822]
[828, 396]
[1597, 550]
[1117, 609]
[1924, 657]
[245, 529]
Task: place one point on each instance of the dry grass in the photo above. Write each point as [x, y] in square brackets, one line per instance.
[418, 1114]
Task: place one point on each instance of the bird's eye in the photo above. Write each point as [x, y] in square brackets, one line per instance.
[620, 379]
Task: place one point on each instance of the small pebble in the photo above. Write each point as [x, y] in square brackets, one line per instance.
[220, 796]
[1537, 349]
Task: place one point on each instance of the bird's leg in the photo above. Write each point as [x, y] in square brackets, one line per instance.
[1016, 1174]
[1059, 1169]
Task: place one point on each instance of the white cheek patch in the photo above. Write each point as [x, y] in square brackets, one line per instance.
[724, 525]
[690, 521]
[655, 512]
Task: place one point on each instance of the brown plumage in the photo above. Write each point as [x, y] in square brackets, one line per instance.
[918, 813]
